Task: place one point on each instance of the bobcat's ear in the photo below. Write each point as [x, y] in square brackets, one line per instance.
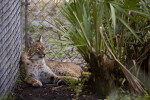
[40, 39]
[30, 42]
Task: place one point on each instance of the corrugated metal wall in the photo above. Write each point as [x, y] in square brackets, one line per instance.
[10, 43]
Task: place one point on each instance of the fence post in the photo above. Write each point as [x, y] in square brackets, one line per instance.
[26, 3]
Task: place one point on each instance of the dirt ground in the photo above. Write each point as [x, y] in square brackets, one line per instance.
[48, 92]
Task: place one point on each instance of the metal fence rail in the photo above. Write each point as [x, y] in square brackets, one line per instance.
[40, 14]
[10, 43]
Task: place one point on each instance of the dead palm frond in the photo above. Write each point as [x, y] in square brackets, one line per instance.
[133, 81]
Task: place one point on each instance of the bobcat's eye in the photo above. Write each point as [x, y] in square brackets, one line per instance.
[39, 49]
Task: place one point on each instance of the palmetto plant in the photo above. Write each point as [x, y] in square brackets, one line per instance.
[119, 21]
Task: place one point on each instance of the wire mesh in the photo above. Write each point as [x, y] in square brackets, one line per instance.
[40, 15]
[10, 43]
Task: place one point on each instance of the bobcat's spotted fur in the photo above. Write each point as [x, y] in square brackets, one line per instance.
[38, 70]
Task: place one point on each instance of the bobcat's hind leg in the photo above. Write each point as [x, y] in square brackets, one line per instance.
[56, 80]
[66, 79]
[34, 82]
[62, 80]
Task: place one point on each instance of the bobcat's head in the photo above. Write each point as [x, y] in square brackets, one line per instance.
[36, 49]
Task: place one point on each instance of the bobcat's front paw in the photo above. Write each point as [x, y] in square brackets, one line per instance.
[37, 84]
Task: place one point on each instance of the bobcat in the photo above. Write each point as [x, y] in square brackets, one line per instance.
[38, 70]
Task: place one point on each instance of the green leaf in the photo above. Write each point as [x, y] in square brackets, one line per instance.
[109, 29]
[141, 13]
[83, 30]
[86, 23]
[123, 11]
[113, 15]
[128, 27]
[130, 3]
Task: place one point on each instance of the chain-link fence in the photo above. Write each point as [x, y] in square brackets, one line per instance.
[10, 43]
[36, 20]
[40, 14]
